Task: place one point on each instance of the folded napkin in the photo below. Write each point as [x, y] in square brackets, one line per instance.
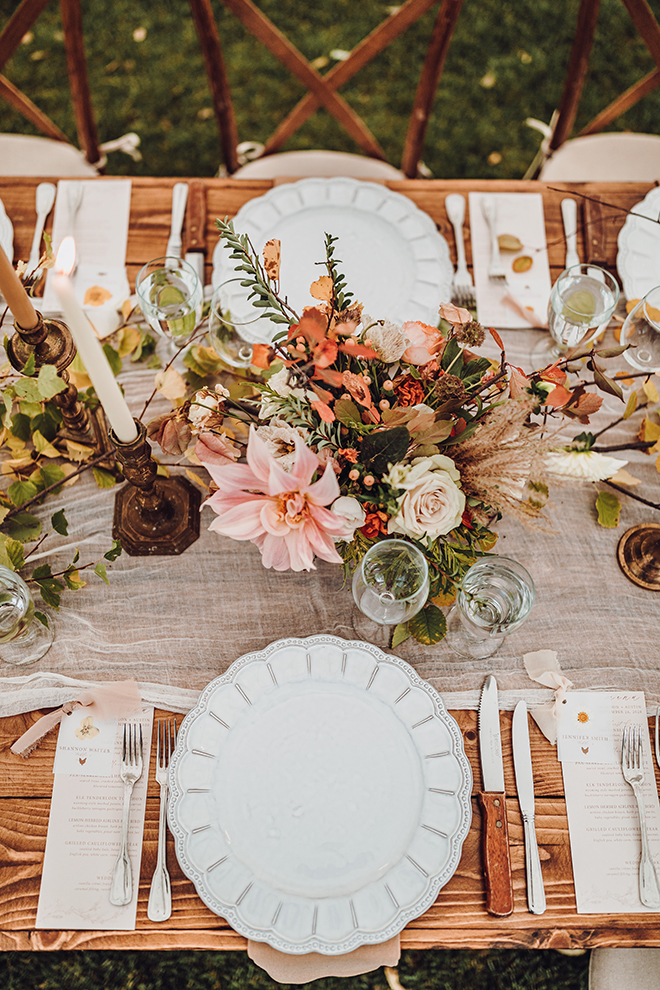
[543, 667]
[285, 968]
[100, 230]
[523, 301]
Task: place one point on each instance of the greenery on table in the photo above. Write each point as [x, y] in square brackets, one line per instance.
[496, 969]
[506, 62]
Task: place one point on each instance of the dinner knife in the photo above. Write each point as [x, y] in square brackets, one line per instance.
[495, 833]
[569, 218]
[179, 197]
[196, 227]
[522, 764]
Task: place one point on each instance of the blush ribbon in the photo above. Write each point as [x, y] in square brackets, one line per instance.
[113, 698]
[543, 667]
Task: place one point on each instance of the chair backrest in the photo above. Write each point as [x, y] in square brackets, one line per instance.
[323, 90]
[21, 154]
[16, 27]
[637, 968]
[320, 163]
[620, 157]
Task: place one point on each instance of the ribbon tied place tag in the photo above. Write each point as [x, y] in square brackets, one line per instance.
[585, 728]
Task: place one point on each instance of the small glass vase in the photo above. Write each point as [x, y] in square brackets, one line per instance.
[23, 638]
[494, 598]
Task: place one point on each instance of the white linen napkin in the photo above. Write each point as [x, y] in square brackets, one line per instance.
[100, 230]
[526, 302]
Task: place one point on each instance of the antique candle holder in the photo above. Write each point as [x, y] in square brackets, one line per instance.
[51, 343]
[153, 515]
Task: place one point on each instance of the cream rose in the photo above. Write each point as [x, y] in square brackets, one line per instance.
[351, 512]
[279, 384]
[432, 504]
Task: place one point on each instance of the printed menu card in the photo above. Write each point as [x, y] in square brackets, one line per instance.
[84, 827]
[601, 807]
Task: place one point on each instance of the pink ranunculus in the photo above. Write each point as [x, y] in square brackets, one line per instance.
[424, 342]
[282, 512]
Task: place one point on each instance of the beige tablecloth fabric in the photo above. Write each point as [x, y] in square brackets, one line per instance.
[175, 623]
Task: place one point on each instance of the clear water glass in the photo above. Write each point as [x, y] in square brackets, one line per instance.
[23, 639]
[391, 583]
[171, 298]
[229, 333]
[642, 328]
[494, 598]
[582, 301]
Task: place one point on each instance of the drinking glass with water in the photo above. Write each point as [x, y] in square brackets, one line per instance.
[582, 301]
[171, 298]
[494, 598]
[642, 330]
[392, 582]
[23, 638]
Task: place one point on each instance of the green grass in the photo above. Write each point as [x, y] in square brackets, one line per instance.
[506, 62]
[499, 969]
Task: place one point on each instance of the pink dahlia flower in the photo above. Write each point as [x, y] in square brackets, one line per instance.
[282, 512]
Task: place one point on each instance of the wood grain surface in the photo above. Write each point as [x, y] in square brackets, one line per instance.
[458, 919]
[152, 199]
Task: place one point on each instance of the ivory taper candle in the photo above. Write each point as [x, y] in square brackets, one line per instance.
[89, 347]
[15, 295]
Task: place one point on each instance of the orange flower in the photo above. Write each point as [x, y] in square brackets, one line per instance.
[409, 391]
[347, 455]
[375, 524]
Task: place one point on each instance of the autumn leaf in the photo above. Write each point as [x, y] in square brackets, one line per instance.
[324, 411]
[96, 295]
[631, 405]
[559, 396]
[171, 384]
[518, 381]
[651, 391]
[623, 478]
[262, 356]
[498, 340]
[271, 256]
[322, 288]
[609, 510]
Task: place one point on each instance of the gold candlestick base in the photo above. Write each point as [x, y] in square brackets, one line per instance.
[153, 515]
[50, 342]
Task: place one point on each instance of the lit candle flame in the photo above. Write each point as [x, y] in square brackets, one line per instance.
[66, 256]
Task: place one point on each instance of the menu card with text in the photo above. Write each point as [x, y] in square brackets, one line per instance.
[603, 821]
[84, 827]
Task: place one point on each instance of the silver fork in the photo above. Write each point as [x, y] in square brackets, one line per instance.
[632, 765]
[463, 287]
[160, 895]
[121, 891]
[496, 272]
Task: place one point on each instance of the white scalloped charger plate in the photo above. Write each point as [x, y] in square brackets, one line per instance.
[638, 260]
[6, 233]
[392, 255]
[319, 795]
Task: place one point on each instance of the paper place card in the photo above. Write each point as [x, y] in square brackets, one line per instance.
[585, 732]
[524, 303]
[84, 832]
[603, 822]
[86, 744]
[100, 229]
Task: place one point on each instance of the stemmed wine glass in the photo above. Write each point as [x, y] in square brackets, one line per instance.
[228, 329]
[23, 638]
[390, 586]
[642, 329]
[581, 302]
[171, 298]
[494, 598]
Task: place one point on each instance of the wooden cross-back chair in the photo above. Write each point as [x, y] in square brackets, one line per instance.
[18, 25]
[564, 118]
[323, 90]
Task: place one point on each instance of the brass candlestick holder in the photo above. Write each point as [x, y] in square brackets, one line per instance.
[153, 515]
[51, 343]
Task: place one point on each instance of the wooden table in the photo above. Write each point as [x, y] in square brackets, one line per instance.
[458, 918]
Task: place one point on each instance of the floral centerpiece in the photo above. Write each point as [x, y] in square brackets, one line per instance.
[361, 429]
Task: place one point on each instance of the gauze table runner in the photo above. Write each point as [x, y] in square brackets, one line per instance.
[175, 623]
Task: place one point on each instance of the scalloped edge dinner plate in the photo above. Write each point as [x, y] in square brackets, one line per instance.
[395, 261]
[638, 260]
[319, 795]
